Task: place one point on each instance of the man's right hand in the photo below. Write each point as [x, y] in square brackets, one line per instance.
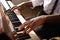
[31, 24]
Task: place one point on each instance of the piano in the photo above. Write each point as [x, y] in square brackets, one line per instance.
[14, 20]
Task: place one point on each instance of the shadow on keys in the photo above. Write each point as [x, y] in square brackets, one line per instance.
[3, 36]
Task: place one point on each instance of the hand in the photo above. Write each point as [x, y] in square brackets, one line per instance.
[16, 7]
[22, 5]
[32, 24]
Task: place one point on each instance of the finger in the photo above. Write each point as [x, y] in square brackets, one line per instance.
[30, 27]
[27, 31]
[24, 25]
[13, 8]
[32, 24]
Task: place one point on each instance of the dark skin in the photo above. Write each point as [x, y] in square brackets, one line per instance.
[34, 22]
[22, 6]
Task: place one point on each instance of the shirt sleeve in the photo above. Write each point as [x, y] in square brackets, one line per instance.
[36, 2]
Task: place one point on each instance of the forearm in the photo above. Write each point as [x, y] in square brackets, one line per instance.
[53, 18]
[48, 18]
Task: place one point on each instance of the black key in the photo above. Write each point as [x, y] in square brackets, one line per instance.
[18, 30]
[16, 24]
[23, 36]
[13, 18]
[4, 36]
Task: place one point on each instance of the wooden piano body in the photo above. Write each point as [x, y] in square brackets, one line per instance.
[9, 28]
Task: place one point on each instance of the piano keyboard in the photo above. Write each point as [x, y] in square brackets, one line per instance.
[13, 18]
[16, 19]
[16, 23]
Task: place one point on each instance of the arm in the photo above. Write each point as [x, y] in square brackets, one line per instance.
[53, 18]
[32, 3]
[34, 22]
[49, 18]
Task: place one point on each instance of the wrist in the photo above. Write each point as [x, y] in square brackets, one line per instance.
[40, 19]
